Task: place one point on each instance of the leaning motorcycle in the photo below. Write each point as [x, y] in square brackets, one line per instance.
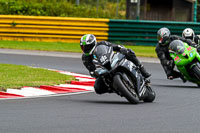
[187, 60]
[121, 75]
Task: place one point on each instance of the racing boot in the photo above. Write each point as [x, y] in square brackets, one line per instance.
[132, 57]
[179, 75]
[182, 78]
[144, 72]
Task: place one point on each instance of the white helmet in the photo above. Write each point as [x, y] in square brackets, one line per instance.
[188, 33]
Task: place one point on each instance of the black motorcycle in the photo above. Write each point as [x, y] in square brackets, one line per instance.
[121, 75]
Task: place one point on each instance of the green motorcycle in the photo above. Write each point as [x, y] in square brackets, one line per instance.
[187, 60]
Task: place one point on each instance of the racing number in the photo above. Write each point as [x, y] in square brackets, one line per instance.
[103, 58]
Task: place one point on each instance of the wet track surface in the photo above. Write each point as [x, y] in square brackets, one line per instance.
[175, 110]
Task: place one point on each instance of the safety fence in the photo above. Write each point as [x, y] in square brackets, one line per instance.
[64, 29]
[143, 32]
[54, 29]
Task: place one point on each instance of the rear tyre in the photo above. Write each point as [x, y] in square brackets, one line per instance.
[150, 95]
[125, 90]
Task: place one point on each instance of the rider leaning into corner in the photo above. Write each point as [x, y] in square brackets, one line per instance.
[162, 50]
[88, 44]
[188, 33]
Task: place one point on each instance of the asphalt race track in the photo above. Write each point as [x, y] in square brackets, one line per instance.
[175, 109]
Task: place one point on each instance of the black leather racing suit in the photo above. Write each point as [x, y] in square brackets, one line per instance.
[197, 39]
[196, 43]
[165, 59]
[100, 86]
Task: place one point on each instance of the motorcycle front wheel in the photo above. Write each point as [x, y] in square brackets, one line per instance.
[196, 71]
[125, 89]
[150, 95]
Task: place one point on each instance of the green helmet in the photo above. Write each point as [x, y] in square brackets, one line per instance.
[88, 43]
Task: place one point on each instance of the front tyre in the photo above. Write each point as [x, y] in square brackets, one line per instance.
[150, 95]
[196, 71]
[125, 90]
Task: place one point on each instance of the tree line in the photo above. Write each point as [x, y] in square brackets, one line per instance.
[112, 9]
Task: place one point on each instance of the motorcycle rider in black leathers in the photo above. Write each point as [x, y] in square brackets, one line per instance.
[162, 50]
[88, 43]
[188, 33]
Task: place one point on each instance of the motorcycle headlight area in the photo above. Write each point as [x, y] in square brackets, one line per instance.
[101, 71]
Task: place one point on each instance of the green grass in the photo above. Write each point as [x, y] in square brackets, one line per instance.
[145, 51]
[17, 76]
[43, 46]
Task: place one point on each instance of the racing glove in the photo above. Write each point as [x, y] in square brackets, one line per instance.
[170, 64]
[170, 77]
[93, 74]
[123, 51]
[194, 45]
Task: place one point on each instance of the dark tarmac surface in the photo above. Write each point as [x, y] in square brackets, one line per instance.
[175, 109]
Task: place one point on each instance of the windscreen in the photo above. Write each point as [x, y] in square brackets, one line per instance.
[101, 50]
[102, 53]
[178, 48]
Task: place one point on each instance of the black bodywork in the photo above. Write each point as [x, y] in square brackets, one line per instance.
[109, 64]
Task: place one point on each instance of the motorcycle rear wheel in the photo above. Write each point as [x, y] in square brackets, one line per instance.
[131, 96]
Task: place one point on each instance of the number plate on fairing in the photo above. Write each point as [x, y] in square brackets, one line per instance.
[103, 59]
[191, 54]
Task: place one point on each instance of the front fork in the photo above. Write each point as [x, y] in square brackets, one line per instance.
[140, 86]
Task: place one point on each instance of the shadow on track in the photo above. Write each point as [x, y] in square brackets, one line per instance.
[104, 102]
[116, 102]
[108, 102]
[176, 86]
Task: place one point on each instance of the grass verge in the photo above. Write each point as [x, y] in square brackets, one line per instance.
[17, 76]
[145, 51]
